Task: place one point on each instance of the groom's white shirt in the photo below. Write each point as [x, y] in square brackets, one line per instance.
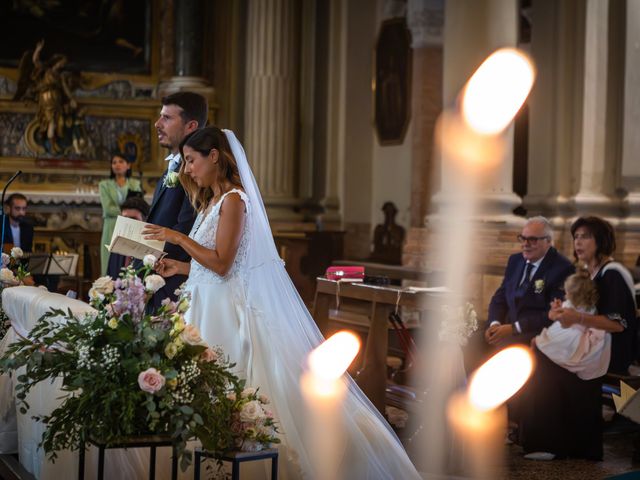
[174, 161]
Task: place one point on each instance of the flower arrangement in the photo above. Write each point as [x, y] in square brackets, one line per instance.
[12, 273]
[252, 423]
[127, 373]
[458, 323]
[171, 180]
[539, 285]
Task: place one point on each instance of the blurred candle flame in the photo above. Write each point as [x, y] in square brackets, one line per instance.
[500, 378]
[497, 90]
[330, 360]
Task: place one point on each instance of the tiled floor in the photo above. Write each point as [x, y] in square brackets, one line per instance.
[618, 449]
[618, 452]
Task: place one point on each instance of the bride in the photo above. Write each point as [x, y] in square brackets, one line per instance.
[243, 300]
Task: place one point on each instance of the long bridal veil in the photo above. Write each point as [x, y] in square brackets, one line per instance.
[283, 334]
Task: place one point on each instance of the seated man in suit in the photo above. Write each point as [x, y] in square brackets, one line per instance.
[17, 231]
[533, 279]
[519, 309]
[133, 207]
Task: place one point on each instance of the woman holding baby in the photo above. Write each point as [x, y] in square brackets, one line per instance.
[564, 403]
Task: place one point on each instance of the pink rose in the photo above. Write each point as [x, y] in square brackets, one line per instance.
[209, 355]
[191, 335]
[151, 380]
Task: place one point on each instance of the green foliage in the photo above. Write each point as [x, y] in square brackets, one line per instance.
[127, 373]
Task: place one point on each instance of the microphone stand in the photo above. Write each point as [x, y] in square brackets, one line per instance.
[4, 191]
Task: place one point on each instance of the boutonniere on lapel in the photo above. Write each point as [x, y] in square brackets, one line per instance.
[539, 285]
[171, 180]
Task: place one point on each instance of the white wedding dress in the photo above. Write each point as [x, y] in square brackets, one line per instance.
[255, 313]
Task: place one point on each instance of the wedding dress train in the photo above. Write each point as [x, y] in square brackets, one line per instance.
[255, 313]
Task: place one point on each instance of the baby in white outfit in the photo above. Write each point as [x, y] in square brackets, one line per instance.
[581, 350]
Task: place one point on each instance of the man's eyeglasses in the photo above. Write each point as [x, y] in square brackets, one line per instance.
[531, 240]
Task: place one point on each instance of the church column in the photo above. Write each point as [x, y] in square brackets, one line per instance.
[471, 33]
[600, 109]
[271, 121]
[555, 105]
[425, 20]
[630, 171]
[188, 27]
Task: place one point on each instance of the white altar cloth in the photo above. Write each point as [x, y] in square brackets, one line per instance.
[20, 433]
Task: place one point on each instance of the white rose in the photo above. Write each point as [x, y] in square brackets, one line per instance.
[251, 446]
[7, 276]
[171, 180]
[95, 294]
[247, 392]
[5, 259]
[149, 260]
[103, 285]
[154, 283]
[251, 411]
[191, 335]
[16, 252]
[266, 430]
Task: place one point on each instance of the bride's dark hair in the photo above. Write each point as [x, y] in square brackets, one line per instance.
[203, 141]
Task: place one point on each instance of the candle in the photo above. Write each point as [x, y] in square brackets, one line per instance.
[478, 415]
[472, 144]
[323, 388]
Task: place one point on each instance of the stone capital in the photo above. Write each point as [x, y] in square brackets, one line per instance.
[425, 19]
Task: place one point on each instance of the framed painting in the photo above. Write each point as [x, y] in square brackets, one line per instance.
[392, 81]
[101, 36]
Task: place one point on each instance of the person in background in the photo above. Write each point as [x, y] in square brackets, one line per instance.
[113, 193]
[17, 231]
[138, 209]
[563, 411]
[519, 309]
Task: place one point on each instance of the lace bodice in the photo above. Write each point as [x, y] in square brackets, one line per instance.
[204, 232]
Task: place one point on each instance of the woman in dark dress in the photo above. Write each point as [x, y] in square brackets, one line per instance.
[564, 412]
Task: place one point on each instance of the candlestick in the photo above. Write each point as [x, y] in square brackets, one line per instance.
[471, 142]
[323, 388]
[478, 415]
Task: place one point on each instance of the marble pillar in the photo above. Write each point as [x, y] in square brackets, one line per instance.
[188, 29]
[630, 170]
[555, 107]
[599, 148]
[272, 105]
[469, 39]
[425, 19]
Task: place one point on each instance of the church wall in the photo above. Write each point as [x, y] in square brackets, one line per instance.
[391, 164]
[392, 179]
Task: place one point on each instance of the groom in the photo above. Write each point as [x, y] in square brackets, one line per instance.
[181, 114]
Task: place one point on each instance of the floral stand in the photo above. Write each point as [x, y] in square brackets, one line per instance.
[236, 458]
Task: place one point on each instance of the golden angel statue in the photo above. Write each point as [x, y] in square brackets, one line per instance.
[56, 129]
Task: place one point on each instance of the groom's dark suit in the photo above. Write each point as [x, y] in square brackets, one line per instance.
[171, 208]
[529, 304]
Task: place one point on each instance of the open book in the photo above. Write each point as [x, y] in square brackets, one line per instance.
[628, 403]
[127, 240]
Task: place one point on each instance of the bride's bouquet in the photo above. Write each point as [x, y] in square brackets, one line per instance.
[12, 273]
[128, 373]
